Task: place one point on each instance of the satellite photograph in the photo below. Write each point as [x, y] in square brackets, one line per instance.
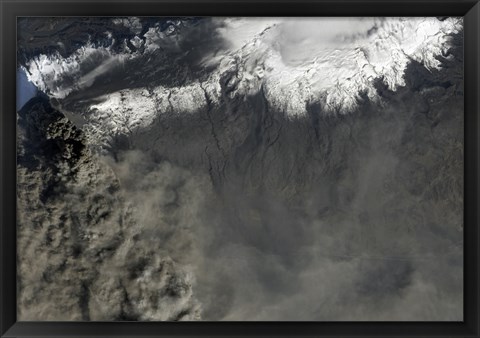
[240, 169]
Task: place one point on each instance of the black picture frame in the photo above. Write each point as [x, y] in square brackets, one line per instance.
[10, 10]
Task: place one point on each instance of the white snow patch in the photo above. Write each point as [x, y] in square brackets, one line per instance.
[297, 62]
[125, 111]
[58, 76]
[333, 60]
[133, 23]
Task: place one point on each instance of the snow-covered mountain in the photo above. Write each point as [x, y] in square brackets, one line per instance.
[297, 63]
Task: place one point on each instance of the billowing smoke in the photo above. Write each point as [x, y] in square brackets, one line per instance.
[88, 247]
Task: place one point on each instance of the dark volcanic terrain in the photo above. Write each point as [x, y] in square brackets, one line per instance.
[231, 208]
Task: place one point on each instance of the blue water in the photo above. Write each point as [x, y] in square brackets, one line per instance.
[25, 89]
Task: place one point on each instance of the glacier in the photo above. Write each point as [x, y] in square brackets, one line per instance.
[272, 53]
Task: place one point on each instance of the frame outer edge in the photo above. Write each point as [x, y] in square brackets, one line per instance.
[477, 159]
[476, 278]
[7, 180]
[3, 310]
[7, 329]
[471, 165]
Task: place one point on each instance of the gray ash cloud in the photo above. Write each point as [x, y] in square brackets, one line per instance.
[81, 253]
[237, 211]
